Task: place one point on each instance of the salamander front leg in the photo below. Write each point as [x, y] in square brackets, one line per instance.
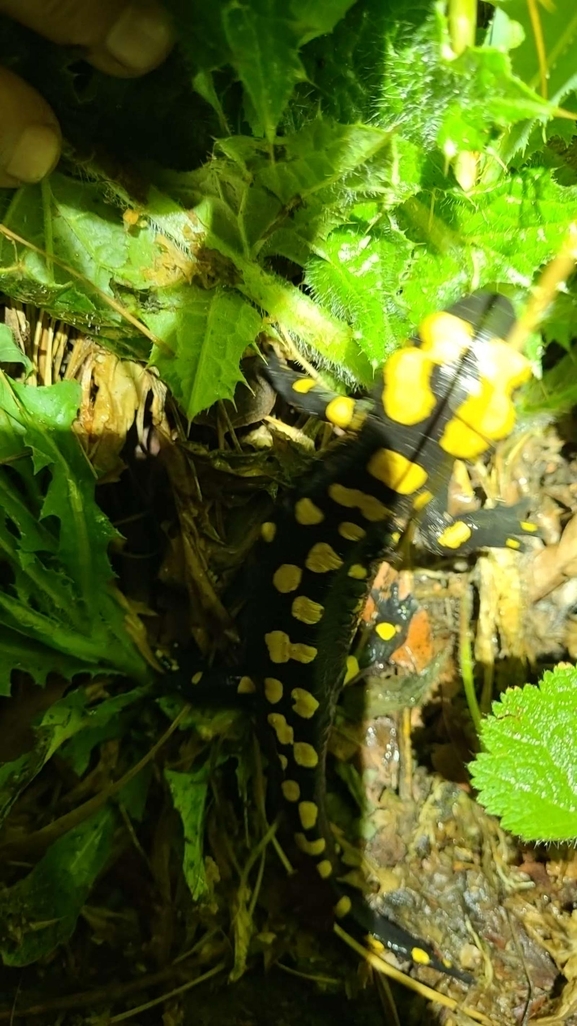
[502, 527]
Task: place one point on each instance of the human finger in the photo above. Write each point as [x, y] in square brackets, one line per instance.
[119, 37]
[29, 133]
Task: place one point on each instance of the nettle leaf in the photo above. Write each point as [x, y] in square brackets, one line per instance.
[40, 911]
[72, 221]
[206, 333]
[489, 96]
[527, 214]
[453, 103]
[73, 724]
[358, 279]
[553, 77]
[527, 774]
[189, 793]
[321, 155]
[558, 26]
[10, 352]
[55, 596]
[346, 67]
[264, 42]
[261, 40]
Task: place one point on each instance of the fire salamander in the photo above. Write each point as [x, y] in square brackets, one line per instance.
[447, 395]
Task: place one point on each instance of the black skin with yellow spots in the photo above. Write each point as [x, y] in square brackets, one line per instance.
[446, 395]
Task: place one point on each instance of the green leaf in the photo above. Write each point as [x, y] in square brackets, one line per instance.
[261, 40]
[357, 280]
[558, 24]
[555, 78]
[73, 724]
[189, 793]
[40, 911]
[527, 774]
[10, 352]
[56, 593]
[319, 156]
[205, 334]
[489, 96]
[264, 45]
[94, 254]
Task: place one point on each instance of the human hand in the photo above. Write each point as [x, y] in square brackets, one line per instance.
[119, 37]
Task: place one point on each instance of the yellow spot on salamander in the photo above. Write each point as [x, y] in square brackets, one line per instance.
[281, 649]
[526, 525]
[490, 412]
[374, 944]
[307, 514]
[305, 755]
[455, 535]
[407, 396]
[273, 690]
[303, 653]
[462, 442]
[305, 704]
[279, 646]
[343, 906]
[285, 734]
[246, 686]
[513, 543]
[303, 385]
[445, 337]
[341, 411]
[386, 631]
[422, 500]
[308, 814]
[305, 610]
[352, 498]
[396, 471]
[322, 558]
[283, 761]
[287, 578]
[503, 366]
[310, 847]
[268, 531]
[351, 531]
[196, 677]
[420, 956]
[324, 869]
[357, 572]
[352, 669]
[291, 790]
[396, 537]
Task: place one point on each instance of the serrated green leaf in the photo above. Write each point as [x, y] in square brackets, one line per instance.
[527, 774]
[71, 724]
[558, 26]
[553, 78]
[319, 156]
[264, 45]
[21, 652]
[9, 351]
[70, 220]
[40, 911]
[189, 792]
[357, 280]
[489, 96]
[56, 592]
[207, 333]
[346, 67]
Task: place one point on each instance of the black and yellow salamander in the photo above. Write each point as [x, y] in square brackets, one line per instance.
[446, 395]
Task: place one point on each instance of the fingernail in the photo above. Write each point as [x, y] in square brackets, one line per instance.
[35, 155]
[140, 40]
